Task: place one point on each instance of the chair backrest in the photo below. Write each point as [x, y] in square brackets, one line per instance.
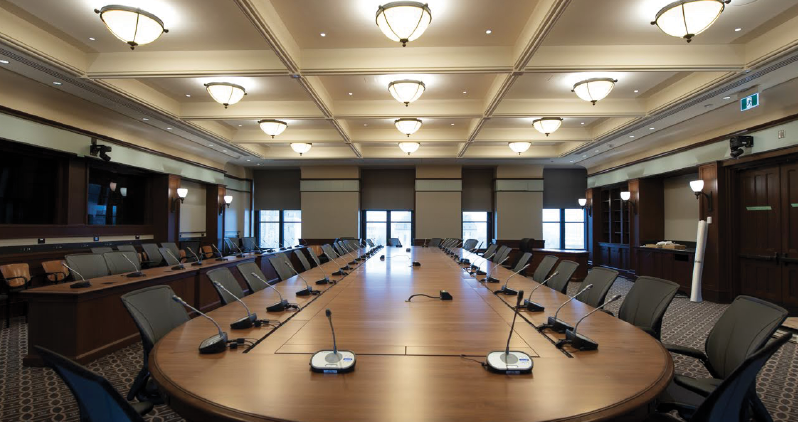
[155, 313]
[246, 269]
[55, 270]
[224, 277]
[169, 256]
[646, 303]
[102, 249]
[470, 244]
[287, 261]
[88, 265]
[727, 401]
[232, 244]
[491, 249]
[302, 259]
[154, 256]
[337, 247]
[544, 268]
[742, 330]
[370, 243]
[523, 245]
[97, 399]
[16, 275]
[498, 254]
[503, 255]
[601, 278]
[565, 270]
[126, 248]
[248, 244]
[313, 256]
[172, 247]
[206, 252]
[279, 266]
[523, 260]
[394, 241]
[327, 249]
[117, 264]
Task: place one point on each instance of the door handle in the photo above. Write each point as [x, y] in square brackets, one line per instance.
[774, 257]
[788, 261]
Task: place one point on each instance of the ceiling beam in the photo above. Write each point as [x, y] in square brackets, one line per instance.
[251, 110]
[185, 64]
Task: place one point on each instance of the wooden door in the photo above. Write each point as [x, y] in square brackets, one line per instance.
[789, 233]
[760, 233]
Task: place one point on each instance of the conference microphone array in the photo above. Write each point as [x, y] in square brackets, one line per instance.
[556, 324]
[505, 289]
[443, 295]
[280, 306]
[332, 361]
[536, 307]
[179, 265]
[341, 270]
[198, 262]
[412, 263]
[578, 341]
[78, 284]
[221, 255]
[491, 278]
[247, 321]
[214, 344]
[475, 267]
[510, 362]
[136, 272]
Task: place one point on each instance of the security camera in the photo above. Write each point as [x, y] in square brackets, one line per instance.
[737, 143]
[101, 150]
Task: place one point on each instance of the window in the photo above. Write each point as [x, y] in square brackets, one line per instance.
[279, 228]
[382, 225]
[292, 227]
[564, 228]
[475, 226]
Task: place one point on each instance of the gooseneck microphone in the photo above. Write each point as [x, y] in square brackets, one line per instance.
[307, 291]
[578, 341]
[536, 307]
[240, 252]
[507, 361]
[341, 270]
[78, 284]
[332, 361]
[246, 322]
[198, 261]
[556, 324]
[467, 261]
[136, 272]
[504, 288]
[491, 278]
[221, 255]
[179, 265]
[214, 344]
[280, 306]
[475, 267]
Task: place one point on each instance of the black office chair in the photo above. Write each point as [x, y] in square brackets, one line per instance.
[394, 241]
[745, 326]
[523, 260]
[120, 262]
[499, 254]
[98, 400]
[601, 279]
[280, 268]
[544, 268]
[646, 303]
[491, 249]
[102, 249]
[89, 265]
[314, 257]
[154, 257]
[728, 401]
[565, 270]
[155, 314]
[246, 269]
[470, 244]
[302, 259]
[224, 277]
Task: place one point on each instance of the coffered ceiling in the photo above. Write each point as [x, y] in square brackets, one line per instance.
[490, 68]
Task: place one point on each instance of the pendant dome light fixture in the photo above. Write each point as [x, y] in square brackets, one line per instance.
[547, 125]
[409, 147]
[406, 90]
[403, 21]
[272, 127]
[688, 18]
[519, 147]
[301, 147]
[408, 126]
[225, 93]
[132, 25]
[594, 89]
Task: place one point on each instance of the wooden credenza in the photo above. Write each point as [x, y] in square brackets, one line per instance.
[669, 264]
[614, 255]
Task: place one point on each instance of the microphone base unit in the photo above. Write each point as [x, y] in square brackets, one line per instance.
[80, 284]
[339, 272]
[246, 322]
[492, 279]
[506, 290]
[532, 306]
[556, 325]
[222, 259]
[416, 264]
[136, 274]
[178, 267]
[307, 292]
[352, 262]
[215, 344]
[196, 264]
[328, 362]
[278, 307]
[577, 341]
[465, 261]
[240, 255]
[512, 363]
[325, 280]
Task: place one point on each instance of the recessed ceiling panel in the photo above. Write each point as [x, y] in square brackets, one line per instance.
[559, 85]
[271, 88]
[437, 86]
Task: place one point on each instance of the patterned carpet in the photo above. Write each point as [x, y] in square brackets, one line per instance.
[36, 394]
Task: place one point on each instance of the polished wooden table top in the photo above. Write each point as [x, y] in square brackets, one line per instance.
[409, 364]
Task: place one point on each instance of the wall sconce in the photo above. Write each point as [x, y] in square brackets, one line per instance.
[112, 185]
[123, 192]
[697, 187]
[583, 204]
[181, 194]
[625, 196]
[228, 199]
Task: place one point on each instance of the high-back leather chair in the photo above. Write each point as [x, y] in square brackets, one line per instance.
[302, 259]
[224, 277]
[117, 264]
[646, 303]
[565, 270]
[313, 256]
[602, 279]
[544, 268]
[280, 268]
[523, 260]
[206, 252]
[55, 271]
[328, 250]
[394, 241]
[88, 265]
[102, 249]
[154, 256]
[248, 244]
[246, 269]
[16, 277]
[177, 252]
[491, 249]
[501, 256]
[155, 314]
[126, 248]
[470, 244]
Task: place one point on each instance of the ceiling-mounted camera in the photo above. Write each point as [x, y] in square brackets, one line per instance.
[101, 150]
[737, 143]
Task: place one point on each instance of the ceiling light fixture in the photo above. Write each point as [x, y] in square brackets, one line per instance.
[92, 39]
[547, 125]
[301, 147]
[688, 18]
[225, 93]
[272, 127]
[132, 25]
[3, 61]
[403, 21]
[594, 89]
[406, 90]
[57, 83]
[519, 147]
[409, 147]
[727, 98]
[408, 126]
[323, 34]
[488, 32]
[738, 29]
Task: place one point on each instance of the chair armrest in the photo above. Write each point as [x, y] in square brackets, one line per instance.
[703, 387]
[687, 351]
[56, 274]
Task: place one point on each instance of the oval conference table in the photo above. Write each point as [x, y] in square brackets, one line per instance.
[416, 361]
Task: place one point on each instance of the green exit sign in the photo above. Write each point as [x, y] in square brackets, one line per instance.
[749, 102]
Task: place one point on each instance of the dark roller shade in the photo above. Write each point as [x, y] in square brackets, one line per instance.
[277, 189]
[478, 189]
[387, 189]
[562, 188]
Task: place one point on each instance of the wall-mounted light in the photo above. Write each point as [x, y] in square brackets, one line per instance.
[112, 185]
[697, 186]
[181, 194]
[625, 196]
[228, 199]
[583, 204]
[123, 192]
